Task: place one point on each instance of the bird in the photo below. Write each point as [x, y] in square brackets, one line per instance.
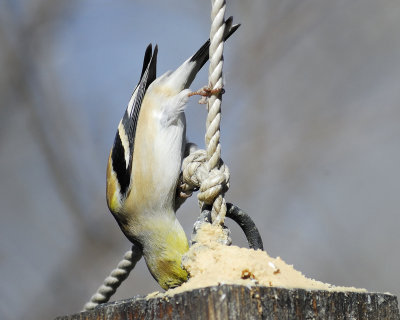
[145, 160]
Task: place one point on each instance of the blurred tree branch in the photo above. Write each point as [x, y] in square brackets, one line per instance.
[27, 81]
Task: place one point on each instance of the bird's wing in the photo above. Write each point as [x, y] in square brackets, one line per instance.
[123, 147]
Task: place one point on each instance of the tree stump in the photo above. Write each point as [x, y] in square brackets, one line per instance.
[240, 302]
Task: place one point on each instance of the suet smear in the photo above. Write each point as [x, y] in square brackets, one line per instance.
[210, 263]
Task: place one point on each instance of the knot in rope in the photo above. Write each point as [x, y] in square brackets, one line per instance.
[196, 175]
[194, 169]
[216, 183]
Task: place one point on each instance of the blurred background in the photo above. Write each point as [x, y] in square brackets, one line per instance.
[310, 131]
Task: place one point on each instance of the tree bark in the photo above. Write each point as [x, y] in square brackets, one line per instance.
[240, 302]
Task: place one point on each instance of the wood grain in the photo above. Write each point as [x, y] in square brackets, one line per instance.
[239, 302]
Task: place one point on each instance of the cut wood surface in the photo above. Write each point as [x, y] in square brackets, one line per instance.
[240, 302]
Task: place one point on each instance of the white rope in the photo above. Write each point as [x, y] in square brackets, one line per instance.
[201, 169]
[214, 104]
[116, 277]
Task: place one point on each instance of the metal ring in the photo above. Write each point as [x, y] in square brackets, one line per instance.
[246, 224]
[241, 218]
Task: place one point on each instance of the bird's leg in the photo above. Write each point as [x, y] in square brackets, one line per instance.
[206, 92]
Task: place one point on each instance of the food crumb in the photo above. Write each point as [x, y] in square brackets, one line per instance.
[246, 274]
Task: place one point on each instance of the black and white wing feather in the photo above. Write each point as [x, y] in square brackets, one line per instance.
[124, 143]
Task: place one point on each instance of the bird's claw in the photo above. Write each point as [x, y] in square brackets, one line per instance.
[206, 92]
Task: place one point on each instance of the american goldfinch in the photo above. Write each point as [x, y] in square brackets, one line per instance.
[145, 163]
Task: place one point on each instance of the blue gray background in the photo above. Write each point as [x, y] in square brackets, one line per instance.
[310, 131]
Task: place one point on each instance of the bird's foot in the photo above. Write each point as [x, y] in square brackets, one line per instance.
[206, 92]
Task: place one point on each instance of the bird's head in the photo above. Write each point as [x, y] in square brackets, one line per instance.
[163, 251]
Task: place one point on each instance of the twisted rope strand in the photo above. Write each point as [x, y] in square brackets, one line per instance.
[116, 277]
[212, 137]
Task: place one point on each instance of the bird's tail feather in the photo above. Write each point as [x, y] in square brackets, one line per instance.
[183, 77]
[201, 56]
